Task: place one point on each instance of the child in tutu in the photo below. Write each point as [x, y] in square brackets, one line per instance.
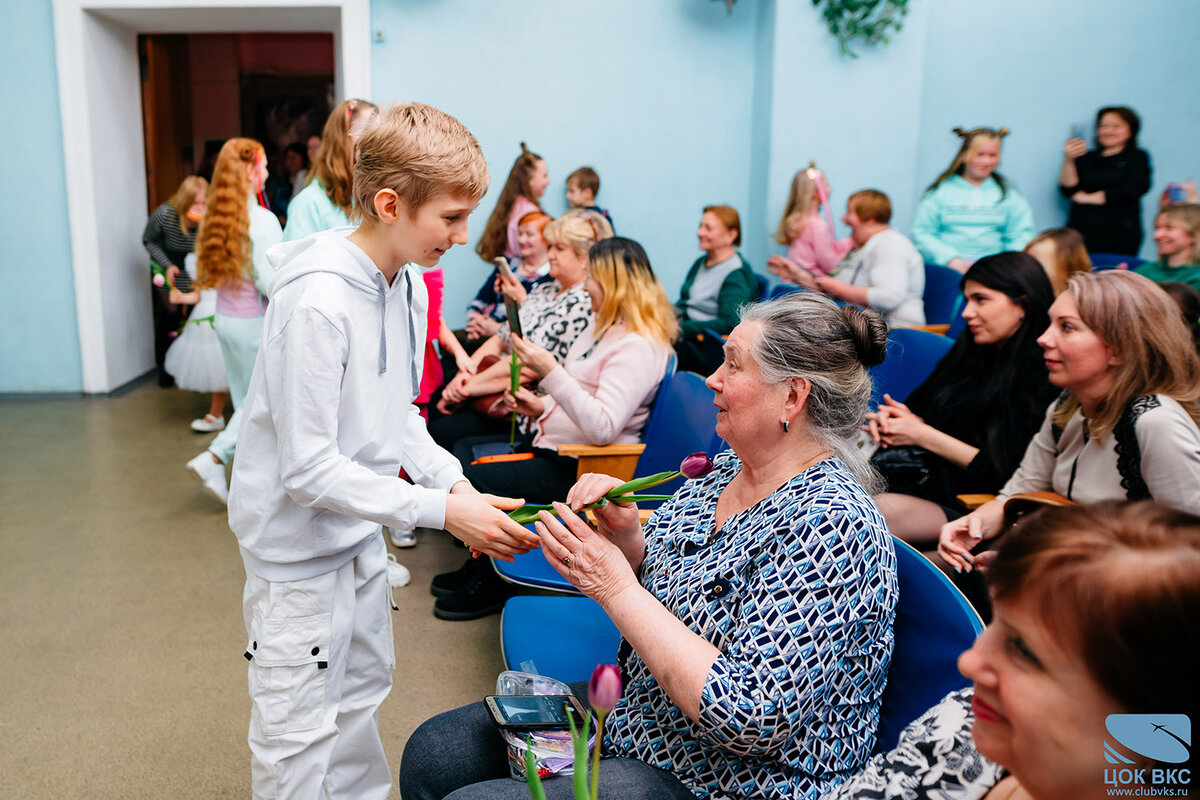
[194, 358]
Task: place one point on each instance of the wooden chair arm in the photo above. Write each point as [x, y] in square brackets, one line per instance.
[618, 460]
[974, 501]
[938, 329]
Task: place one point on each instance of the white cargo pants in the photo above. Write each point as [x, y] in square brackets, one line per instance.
[321, 654]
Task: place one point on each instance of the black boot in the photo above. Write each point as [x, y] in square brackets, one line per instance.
[483, 594]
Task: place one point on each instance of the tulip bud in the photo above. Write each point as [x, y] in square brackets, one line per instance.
[159, 280]
[697, 465]
[604, 690]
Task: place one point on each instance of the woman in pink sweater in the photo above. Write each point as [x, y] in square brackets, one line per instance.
[811, 242]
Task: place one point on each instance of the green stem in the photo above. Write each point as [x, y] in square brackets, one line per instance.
[579, 778]
[596, 755]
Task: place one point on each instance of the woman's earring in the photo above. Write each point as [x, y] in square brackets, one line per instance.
[785, 426]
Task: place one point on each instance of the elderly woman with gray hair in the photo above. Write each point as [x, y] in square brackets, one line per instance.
[755, 606]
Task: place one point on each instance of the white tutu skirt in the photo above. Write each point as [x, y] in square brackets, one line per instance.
[194, 358]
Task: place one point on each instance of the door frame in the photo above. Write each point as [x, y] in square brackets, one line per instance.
[104, 152]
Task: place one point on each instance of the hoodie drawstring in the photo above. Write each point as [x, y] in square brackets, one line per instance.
[381, 288]
[412, 338]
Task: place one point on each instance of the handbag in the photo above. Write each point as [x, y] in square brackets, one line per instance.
[905, 467]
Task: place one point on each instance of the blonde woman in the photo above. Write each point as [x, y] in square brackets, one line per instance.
[1125, 427]
[1177, 235]
[327, 199]
[1062, 254]
[601, 394]
[231, 257]
[553, 315]
[970, 211]
[170, 234]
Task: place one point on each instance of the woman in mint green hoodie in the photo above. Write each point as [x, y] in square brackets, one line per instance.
[970, 211]
[325, 202]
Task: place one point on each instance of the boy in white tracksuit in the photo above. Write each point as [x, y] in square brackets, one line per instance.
[329, 423]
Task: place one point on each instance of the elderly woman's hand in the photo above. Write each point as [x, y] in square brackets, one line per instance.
[590, 561]
[536, 358]
[786, 269]
[616, 520]
[508, 283]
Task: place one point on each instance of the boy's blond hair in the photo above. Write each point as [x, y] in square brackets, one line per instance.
[419, 152]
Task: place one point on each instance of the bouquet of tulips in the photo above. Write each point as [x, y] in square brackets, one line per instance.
[604, 690]
[696, 465]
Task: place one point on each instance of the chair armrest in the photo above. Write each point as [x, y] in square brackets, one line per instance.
[974, 501]
[938, 329]
[618, 460]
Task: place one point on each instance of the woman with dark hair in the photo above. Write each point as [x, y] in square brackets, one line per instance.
[1096, 612]
[1105, 185]
[522, 193]
[965, 428]
[1127, 425]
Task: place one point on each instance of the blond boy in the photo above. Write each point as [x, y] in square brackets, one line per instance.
[329, 423]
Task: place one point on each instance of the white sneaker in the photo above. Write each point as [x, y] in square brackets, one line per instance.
[398, 574]
[211, 474]
[208, 424]
[403, 538]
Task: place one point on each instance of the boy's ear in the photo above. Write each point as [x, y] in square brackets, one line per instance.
[387, 205]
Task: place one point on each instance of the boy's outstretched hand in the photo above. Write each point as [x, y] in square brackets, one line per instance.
[480, 522]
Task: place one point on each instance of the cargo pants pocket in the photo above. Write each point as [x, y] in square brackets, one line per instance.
[289, 657]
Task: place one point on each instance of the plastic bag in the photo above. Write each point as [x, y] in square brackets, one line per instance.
[553, 751]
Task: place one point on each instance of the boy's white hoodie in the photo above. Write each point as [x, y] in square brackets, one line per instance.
[329, 417]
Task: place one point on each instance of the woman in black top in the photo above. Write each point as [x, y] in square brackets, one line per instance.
[965, 429]
[1105, 185]
[170, 234]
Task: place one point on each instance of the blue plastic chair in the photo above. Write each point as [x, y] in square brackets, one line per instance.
[934, 624]
[942, 293]
[1106, 261]
[911, 356]
[564, 637]
[683, 421]
[957, 325]
[763, 283]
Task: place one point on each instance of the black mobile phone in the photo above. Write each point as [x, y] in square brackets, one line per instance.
[534, 712]
[513, 308]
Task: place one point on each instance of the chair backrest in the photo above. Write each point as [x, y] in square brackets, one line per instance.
[934, 625]
[957, 326]
[784, 288]
[941, 293]
[911, 356]
[1107, 261]
[683, 422]
[763, 283]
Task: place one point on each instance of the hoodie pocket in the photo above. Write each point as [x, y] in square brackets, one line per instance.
[289, 657]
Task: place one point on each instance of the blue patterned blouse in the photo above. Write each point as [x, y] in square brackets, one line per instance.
[798, 593]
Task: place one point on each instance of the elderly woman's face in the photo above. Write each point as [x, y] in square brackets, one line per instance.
[713, 235]
[566, 266]
[742, 396]
[1038, 710]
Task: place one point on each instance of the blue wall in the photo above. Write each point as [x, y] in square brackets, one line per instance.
[655, 96]
[39, 338]
[677, 104]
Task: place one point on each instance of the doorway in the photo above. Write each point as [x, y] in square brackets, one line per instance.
[108, 183]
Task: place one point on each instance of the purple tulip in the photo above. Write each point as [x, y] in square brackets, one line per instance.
[604, 690]
[697, 465]
[159, 280]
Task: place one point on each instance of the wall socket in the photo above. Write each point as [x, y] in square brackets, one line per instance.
[377, 33]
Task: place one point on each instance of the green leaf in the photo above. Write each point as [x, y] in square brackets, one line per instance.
[579, 741]
[536, 790]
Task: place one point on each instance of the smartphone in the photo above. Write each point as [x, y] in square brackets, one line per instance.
[534, 712]
[1176, 193]
[513, 308]
[502, 265]
[1077, 131]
